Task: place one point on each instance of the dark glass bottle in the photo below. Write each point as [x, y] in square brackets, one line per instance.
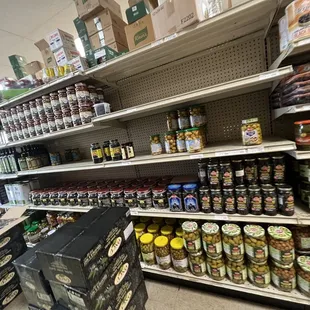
[96, 153]
[106, 151]
[115, 148]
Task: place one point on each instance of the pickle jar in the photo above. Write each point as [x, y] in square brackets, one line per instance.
[162, 252]
[283, 276]
[117, 197]
[179, 232]
[216, 267]
[174, 195]
[156, 147]
[154, 230]
[229, 200]
[147, 249]
[236, 271]
[167, 231]
[259, 274]
[193, 140]
[238, 171]
[270, 202]
[301, 236]
[181, 145]
[197, 116]
[183, 119]
[191, 237]
[104, 198]
[160, 197]
[281, 244]
[233, 242]
[211, 239]
[255, 200]
[172, 121]
[178, 255]
[190, 197]
[217, 201]
[303, 274]
[197, 263]
[170, 142]
[144, 198]
[255, 242]
[286, 200]
[205, 199]
[242, 200]
[130, 196]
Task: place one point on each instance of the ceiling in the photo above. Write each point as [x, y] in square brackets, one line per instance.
[22, 23]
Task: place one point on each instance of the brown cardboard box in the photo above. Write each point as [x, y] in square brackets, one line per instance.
[118, 47]
[102, 20]
[34, 67]
[87, 8]
[47, 54]
[107, 36]
[150, 4]
[140, 33]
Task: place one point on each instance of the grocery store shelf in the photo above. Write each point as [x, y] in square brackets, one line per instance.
[229, 89]
[252, 16]
[299, 154]
[290, 110]
[60, 208]
[8, 176]
[269, 292]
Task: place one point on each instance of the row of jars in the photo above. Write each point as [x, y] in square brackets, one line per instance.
[190, 140]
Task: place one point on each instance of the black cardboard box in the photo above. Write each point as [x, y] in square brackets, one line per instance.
[139, 299]
[81, 262]
[8, 275]
[10, 236]
[9, 292]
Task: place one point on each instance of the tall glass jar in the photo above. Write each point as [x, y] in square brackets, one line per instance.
[303, 274]
[283, 276]
[179, 255]
[213, 173]
[156, 147]
[160, 197]
[154, 230]
[144, 198]
[55, 102]
[197, 263]
[147, 249]
[211, 239]
[270, 202]
[181, 145]
[167, 231]
[216, 267]
[170, 142]
[205, 199]
[47, 104]
[242, 200]
[191, 237]
[226, 176]
[229, 200]
[255, 199]
[278, 164]
[174, 195]
[172, 121]
[250, 171]
[286, 200]
[130, 196]
[236, 271]
[162, 252]
[217, 201]
[238, 171]
[233, 242]
[259, 274]
[63, 99]
[264, 170]
[190, 197]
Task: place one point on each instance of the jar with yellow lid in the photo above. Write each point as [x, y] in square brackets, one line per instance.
[162, 252]
[191, 237]
[179, 232]
[145, 220]
[158, 220]
[167, 231]
[211, 239]
[170, 221]
[154, 230]
[197, 263]
[147, 248]
[216, 267]
[139, 230]
[259, 274]
[237, 271]
[178, 255]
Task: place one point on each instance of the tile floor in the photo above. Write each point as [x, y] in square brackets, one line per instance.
[166, 296]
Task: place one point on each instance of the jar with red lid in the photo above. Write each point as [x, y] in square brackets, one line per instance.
[104, 198]
[302, 135]
[86, 113]
[82, 92]
[93, 94]
[20, 113]
[19, 132]
[25, 130]
[51, 123]
[33, 109]
[100, 94]
[130, 196]
[14, 116]
[55, 102]
[31, 129]
[117, 197]
[83, 197]
[9, 118]
[44, 125]
[38, 128]
[59, 121]
[66, 115]
[160, 200]
[144, 197]
[40, 107]
[71, 95]
[63, 99]
[76, 117]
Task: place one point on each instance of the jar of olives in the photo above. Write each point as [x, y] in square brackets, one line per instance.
[179, 232]
[303, 274]
[255, 198]
[264, 170]
[216, 267]
[233, 242]
[167, 231]
[139, 231]
[226, 174]
[197, 263]
[211, 239]
[147, 248]
[217, 201]
[174, 195]
[170, 142]
[213, 173]
[237, 271]
[205, 199]
[250, 171]
[104, 198]
[172, 121]
[160, 197]
[183, 119]
[156, 147]
[154, 230]
[130, 197]
[178, 255]
[181, 145]
[259, 274]
[162, 252]
[270, 200]
[281, 244]
[197, 116]
[242, 200]
[193, 140]
[283, 276]
[255, 243]
[158, 220]
[301, 235]
[229, 200]
[286, 200]
[191, 237]
[190, 197]
[144, 198]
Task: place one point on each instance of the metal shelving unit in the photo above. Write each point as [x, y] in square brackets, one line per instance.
[276, 113]
[299, 155]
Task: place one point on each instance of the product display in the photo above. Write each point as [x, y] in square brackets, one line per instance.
[251, 132]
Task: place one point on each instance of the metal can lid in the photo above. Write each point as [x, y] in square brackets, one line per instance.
[189, 226]
[304, 263]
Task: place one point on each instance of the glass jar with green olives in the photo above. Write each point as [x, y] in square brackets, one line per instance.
[237, 271]
[167, 231]
[178, 255]
[162, 252]
[154, 230]
[259, 274]
[211, 239]
[197, 263]
[147, 248]
[191, 237]
[216, 267]
[233, 241]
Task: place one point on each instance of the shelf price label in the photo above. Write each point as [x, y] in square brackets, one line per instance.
[156, 43]
[222, 217]
[172, 36]
[134, 212]
[197, 156]
[256, 150]
[126, 163]
[268, 75]
[230, 153]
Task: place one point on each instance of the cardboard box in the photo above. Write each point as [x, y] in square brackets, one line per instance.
[118, 47]
[104, 53]
[140, 33]
[9, 293]
[34, 67]
[47, 54]
[80, 262]
[79, 63]
[108, 36]
[59, 38]
[139, 299]
[150, 4]
[11, 235]
[102, 20]
[18, 64]
[136, 12]
[64, 55]
[8, 275]
[87, 8]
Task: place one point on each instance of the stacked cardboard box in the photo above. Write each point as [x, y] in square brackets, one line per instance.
[18, 64]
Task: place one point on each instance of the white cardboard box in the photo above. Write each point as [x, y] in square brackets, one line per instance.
[64, 55]
[79, 63]
[60, 38]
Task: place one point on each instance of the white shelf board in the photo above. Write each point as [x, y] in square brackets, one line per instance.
[301, 216]
[229, 89]
[252, 16]
[8, 176]
[290, 110]
[60, 208]
[271, 292]
[300, 155]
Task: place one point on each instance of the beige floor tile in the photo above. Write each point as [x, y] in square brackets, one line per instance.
[157, 305]
[19, 303]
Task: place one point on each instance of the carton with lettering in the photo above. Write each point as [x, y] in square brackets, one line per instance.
[64, 55]
[79, 63]
[59, 38]
[47, 54]
[34, 67]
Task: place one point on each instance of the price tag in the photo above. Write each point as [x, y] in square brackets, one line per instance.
[156, 43]
[230, 153]
[222, 217]
[172, 36]
[197, 156]
[134, 212]
[256, 150]
[126, 163]
[303, 42]
[269, 75]
[301, 108]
